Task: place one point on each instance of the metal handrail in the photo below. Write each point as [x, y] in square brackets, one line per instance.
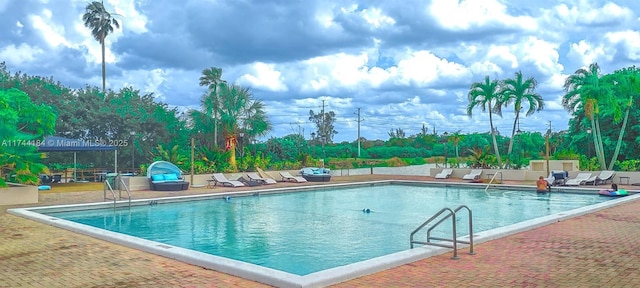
[455, 237]
[454, 240]
[108, 185]
[126, 189]
[493, 178]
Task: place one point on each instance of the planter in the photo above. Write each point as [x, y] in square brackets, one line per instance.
[18, 194]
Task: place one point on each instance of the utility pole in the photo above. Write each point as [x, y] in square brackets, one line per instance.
[547, 147]
[193, 145]
[322, 132]
[359, 120]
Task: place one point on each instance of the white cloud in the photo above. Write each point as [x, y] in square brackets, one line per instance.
[586, 53]
[466, 14]
[21, 54]
[266, 77]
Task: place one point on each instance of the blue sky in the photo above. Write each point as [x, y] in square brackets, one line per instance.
[405, 64]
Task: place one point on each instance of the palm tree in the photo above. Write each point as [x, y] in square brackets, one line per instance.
[585, 88]
[519, 91]
[240, 112]
[482, 94]
[101, 23]
[211, 78]
[626, 84]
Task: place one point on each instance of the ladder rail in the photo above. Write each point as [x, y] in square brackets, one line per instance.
[455, 211]
[108, 185]
[493, 178]
[454, 240]
[126, 189]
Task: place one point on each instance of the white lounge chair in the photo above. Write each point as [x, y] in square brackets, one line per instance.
[220, 178]
[580, 179]
[473, 175]
[446, 173]
[254, 176]
[286, 176]
[605, 176]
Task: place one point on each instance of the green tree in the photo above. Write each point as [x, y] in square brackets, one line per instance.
[101, 23]
[482, 94]
[324, 123]
[211, 78]
[586, 88]
[23, 126]
[626, 86]
[520, 92]
[239, 111]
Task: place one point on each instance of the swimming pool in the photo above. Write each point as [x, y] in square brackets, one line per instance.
[288, 231]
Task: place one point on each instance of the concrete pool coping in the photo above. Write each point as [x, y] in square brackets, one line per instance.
[282, 279]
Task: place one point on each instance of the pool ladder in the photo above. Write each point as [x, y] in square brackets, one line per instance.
[107, 186]
[493, 178]
[451, 214]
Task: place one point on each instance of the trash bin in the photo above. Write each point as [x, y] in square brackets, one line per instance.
[111, 178]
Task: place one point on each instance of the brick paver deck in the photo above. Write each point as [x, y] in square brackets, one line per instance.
[601, 249]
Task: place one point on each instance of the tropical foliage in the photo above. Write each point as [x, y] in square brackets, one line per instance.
[23, 127]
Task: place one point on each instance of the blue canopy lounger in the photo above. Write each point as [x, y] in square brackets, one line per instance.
[165, 176]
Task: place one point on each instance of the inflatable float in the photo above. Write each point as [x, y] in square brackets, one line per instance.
[613, 193]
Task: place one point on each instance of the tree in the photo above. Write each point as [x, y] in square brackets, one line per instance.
[397, 133]
[586, 88]
[240, 112]
[211, 78]
[324, 122]
[520, 92]
[483, 94]
[23, 127]
[455, 139]
[626, 85]
[101, 23]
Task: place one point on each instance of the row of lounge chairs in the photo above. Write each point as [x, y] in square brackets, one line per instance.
[583, 178]
[254, 177]
[474, 175]
[555, 177]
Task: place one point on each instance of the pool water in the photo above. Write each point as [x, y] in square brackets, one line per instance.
[306, 232]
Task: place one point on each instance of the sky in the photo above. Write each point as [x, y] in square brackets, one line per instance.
[401, 64]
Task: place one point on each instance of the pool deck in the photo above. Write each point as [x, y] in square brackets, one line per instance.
[600, 249]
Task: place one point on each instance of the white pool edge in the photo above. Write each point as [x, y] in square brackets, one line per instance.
[282, 279]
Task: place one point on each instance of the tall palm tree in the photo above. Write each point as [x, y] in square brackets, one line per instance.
[626, 84]
[211, 78]
[240, 112]
[585, 88]
[483, 94]
[101, 23]
[520, 92]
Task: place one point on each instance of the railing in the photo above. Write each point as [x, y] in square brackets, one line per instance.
[493, 178]
[454, 240]
[107, 186]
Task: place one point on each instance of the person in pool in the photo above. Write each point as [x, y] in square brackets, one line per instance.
[543, 185]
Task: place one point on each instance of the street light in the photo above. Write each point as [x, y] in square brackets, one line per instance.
[133, 153]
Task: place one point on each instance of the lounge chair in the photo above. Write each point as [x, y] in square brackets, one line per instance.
[254, 176]
[559, 177]
[263, 174]
[473, 175]
[220, 178]
[286, 176]
[605, 176]
[580, 179]
[446, 173]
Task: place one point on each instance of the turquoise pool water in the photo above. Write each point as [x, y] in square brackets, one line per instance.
[305, 232]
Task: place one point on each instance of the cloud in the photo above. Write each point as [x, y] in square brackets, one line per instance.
[405, 64]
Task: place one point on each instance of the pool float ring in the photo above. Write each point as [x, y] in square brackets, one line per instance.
[44, 187]
[612, 193]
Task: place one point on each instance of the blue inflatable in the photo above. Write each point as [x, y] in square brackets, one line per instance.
[613, 193]
[44, 187]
